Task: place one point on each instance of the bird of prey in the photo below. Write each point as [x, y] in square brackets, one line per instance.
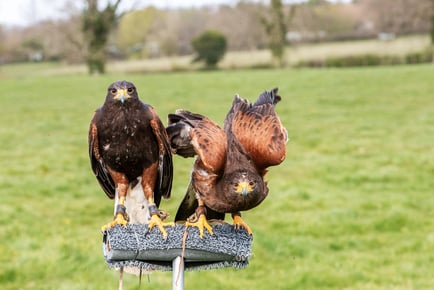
[129, 147]
[228, 173]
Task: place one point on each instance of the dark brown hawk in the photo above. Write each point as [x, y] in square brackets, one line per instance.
[128, 144]
[228, 174]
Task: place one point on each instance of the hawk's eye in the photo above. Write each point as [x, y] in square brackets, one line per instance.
[130, 90]
[113, 91]
[236, 184]
[252, 183]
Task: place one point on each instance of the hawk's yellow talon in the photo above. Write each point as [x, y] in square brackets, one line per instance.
[201, 223]
[119, 220]
[156, 221]
[239, 223]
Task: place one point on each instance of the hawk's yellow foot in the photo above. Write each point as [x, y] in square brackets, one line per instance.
[119, 220]
[201, 224]
[156, 221]
[240, 223]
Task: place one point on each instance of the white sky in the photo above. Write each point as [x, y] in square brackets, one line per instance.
[25, 12]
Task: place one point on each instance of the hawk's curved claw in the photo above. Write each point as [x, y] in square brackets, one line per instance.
[240, 223]
[119, 220]
[201, 224]
[156, 221]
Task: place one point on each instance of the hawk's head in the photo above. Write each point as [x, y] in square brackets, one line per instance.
[244, 183]
[121, 91]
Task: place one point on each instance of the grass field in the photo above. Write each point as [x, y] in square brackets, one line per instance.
[352, 207]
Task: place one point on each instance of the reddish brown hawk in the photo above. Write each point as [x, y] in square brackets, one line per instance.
[228, 173]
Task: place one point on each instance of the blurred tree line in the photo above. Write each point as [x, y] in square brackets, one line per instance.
[152, 32]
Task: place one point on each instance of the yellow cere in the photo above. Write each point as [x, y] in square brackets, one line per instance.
[122, 95]
[243, 188]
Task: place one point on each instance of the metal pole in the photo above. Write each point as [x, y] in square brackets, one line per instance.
[121, 278]
[178, 273]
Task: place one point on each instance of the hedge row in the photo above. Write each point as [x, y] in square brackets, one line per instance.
[425, 56]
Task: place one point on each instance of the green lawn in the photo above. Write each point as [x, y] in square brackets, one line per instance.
[352, 207]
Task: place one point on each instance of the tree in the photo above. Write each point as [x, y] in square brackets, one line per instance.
[96, 27]
[240, 25]
[35, 49]
[399, 16]
[432, 29]
[432, 23]
[1, 45]
[135, 29]
[210, 47]
[276, 29]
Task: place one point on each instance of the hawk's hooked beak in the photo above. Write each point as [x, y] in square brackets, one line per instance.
[243, 188]
[122, 95]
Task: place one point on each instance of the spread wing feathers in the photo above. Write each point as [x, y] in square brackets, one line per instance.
[163, 184]
[258, 128]
[98, 166]
[207, 139]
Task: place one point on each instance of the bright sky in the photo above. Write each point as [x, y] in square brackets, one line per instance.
[25, 12]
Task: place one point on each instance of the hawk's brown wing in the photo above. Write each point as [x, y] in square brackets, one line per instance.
[164, 179]
[258, 128]
[97, 163]
[204, 136]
